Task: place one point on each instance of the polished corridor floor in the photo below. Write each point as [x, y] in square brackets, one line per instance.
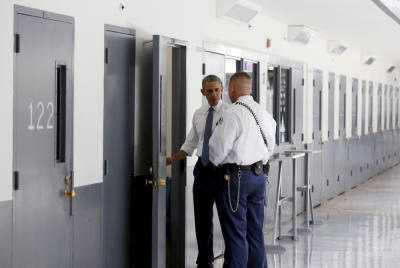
[361, 229]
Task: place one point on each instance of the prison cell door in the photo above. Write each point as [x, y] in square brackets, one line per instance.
[389, 128]
[340, 150]
[327, 157]
[378, 137]
[396, 127]
[354, 158]
[119, 107]
[317, 139]
[363, 133]
[370, 147]
[296, 109]
[150, 194]
[43, 107]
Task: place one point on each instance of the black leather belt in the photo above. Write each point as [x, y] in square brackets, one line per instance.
[235, 167]
[256, 168]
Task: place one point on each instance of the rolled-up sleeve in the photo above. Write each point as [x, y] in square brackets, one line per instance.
[271, 136]
[191, 142]
[223, 137]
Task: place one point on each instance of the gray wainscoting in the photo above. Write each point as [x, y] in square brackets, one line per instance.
[6, 234]
[88, 226]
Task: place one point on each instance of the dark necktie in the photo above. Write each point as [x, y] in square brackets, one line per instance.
[207, 134]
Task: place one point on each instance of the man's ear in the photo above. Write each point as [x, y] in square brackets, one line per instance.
[202, 91]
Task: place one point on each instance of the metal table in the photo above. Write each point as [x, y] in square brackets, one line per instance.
[307, 188]
[280, 157]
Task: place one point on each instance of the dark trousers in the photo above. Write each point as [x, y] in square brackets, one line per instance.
[242, 230]
[205, 192]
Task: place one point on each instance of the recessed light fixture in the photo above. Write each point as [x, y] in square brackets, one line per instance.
[368, 59]
[238, 11]
[300, 34]
[336, 47]
[389, 67]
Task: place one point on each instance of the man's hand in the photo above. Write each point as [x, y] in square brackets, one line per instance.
[169, 161]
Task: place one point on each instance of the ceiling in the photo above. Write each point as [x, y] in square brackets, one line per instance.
[359, 23]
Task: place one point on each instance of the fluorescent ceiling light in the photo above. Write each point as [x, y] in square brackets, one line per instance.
[368, 59]
[336, 47]
[389, 67]
[300, 34]
[240, 11]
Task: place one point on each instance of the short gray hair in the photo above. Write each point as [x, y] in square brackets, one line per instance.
[210, 78]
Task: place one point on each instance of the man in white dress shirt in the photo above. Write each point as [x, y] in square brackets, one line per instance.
[206, 178]
[241, 145]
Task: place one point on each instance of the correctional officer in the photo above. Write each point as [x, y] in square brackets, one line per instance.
[206, 178]
[241, 145]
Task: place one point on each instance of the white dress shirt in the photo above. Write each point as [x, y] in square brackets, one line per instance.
[195, 138]
[237, 138]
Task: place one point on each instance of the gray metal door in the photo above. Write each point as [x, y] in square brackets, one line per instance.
[379, 138]
[363, 136]
[317, 139]
[370, 148]
[340, 150]
[43, 114]
[389, 129]
[119, 79]
[354, 142]
[297, 128]
[159, 102]
[328, 184]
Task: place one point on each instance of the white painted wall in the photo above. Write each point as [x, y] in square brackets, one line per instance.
[192, 21]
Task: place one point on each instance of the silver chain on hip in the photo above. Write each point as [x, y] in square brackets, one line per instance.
[229, 190]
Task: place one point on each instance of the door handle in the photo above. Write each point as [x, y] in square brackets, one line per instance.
[147, 182]
[69, 193]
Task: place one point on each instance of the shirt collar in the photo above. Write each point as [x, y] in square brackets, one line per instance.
[245, 98]
[218, 106]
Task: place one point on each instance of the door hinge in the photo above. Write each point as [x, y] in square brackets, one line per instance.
[106, 55]
[17, 43]
[204, 69]
[328, 133]
[313, 83]
[130, 178]
[313, 135]
[302, 137]
[302, 81]
[16, 180]
[105, 167]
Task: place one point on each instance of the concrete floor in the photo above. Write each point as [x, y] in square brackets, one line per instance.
[361, 229]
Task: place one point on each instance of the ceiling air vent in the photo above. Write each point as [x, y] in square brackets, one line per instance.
[390, 68]
[300, 34]
[336, 47]
[368, 59]
[240, 11]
